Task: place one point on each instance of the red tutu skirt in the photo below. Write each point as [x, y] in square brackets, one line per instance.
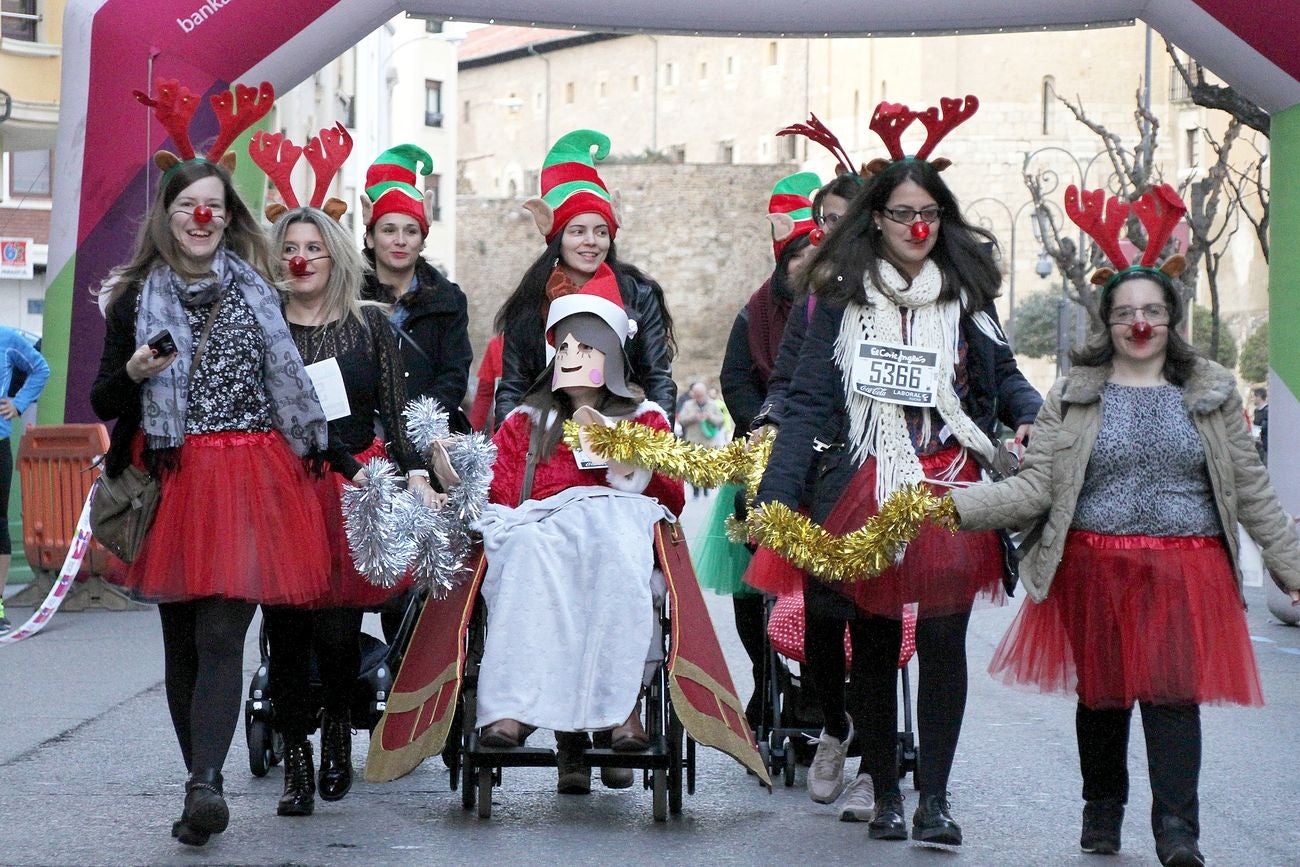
[348, 587]
[942, 572]
[1136, 618]
[237, 519]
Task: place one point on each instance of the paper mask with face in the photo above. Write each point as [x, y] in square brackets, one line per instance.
[587, 355]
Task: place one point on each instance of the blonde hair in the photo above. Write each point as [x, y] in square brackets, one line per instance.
[348, 269]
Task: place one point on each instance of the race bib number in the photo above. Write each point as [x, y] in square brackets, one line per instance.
[896, 373]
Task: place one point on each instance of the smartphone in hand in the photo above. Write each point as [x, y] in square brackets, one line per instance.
[162, 343]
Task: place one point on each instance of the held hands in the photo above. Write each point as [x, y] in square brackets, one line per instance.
[442, 468]
[146, 363]
[1020, 442]
[420, 486]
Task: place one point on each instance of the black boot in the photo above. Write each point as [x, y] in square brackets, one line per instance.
[889, 823]
[205, 811]
[335, 757]
[931, 823]
[299, 798]
[1176, 844]
[1102, 821]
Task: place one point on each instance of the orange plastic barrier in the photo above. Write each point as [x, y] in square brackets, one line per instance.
[54, 464]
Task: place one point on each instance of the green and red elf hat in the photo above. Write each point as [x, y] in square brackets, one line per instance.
[600, 296]
[391, 186]
[789, 210]
[571, 186]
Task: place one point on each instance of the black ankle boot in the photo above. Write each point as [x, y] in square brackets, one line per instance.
[1176, 844]
[205, 811]
[931, 823]
[299, 798]
[1102, 822]
[888, 823]
[335, 757]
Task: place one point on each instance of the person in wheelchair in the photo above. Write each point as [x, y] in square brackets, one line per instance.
[571, 582]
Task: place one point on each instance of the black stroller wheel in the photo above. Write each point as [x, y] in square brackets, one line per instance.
[261, 747]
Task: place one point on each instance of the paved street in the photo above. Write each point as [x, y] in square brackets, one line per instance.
[90, 774]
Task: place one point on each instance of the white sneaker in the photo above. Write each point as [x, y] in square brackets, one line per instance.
[859, 801]
[826, 776]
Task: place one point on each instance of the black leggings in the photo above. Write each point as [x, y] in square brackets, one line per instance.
[1173, 736]
[940, 698]
[295, 636]
[203, 647]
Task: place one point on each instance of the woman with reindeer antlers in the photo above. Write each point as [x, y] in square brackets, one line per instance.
[1140, 469]
[903, 284]
[579, 219]
[202, 375]
[353, 357]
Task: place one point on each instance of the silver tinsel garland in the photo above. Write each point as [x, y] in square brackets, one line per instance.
[376, 517]
[391, 531]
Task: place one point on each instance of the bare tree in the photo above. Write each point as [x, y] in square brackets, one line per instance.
[1217, 96]
[1208, 236]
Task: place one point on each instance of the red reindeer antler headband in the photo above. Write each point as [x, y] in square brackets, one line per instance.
[891, 120]
[326, 152]
[815, 130]
[1102, 218]
[175, 107]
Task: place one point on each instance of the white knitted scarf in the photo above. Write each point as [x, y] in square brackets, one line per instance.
[879, 428]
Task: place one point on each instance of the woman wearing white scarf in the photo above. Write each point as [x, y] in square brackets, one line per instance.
[903, 377]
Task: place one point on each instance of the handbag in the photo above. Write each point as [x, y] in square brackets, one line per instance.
[122, 508]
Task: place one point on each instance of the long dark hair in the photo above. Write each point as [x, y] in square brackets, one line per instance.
[155, 242]
[543, 400]
[845, 185]
[854, 247]
[1180, 356]
[528, 296]
[782, 284]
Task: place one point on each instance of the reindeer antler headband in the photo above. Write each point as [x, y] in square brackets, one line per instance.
[326, 152]
[891, 120]
[1102, 218]
[815, 130]
[175, 106]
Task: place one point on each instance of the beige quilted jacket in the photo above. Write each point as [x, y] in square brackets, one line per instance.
[1044, 494]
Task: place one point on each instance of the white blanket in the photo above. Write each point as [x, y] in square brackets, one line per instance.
[570, 611]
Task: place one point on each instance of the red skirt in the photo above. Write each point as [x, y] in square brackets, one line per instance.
[237, 519]
[348, 587]
[942, 572]
[1136, 618]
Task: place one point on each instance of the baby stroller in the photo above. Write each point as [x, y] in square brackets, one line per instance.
[379, 665]
[784, 742]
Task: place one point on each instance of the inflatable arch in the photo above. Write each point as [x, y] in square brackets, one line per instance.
[114, 46]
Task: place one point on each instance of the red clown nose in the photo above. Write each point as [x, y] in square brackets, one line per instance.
[1141, 331]
[298, 266]
[202, 215]
[816, 236]
[920, 230]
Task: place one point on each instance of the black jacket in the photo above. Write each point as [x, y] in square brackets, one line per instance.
[114, 395]
[434, 336]
[523, 353]
[815, 408]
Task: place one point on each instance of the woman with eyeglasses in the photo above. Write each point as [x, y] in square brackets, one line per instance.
[1140, 469]
[905, 284]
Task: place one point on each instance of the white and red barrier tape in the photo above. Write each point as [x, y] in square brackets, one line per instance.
[67, 576]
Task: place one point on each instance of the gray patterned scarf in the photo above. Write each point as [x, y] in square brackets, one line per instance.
[295, 410]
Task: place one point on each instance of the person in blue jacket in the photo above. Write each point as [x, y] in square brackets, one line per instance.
[18, 355]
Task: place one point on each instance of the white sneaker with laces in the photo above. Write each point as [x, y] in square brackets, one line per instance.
[859, 801]
[826, 776]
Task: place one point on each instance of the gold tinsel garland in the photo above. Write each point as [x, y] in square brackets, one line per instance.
[855, 556]
[660, 451]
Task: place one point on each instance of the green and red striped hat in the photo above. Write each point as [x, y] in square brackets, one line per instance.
[790, 209]
[391, 183]
[570, 184]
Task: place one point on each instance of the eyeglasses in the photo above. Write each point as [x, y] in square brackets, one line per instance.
[910, 215]
[1156, 314]
[827, 220]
